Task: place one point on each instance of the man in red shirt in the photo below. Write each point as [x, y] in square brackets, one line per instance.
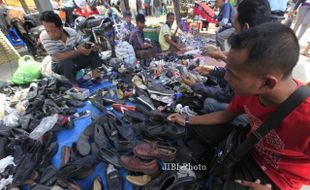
[259, 68]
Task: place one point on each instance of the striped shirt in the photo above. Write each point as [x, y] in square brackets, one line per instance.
[57, 46]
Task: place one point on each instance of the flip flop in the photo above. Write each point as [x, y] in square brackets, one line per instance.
[100, 138]
[83, 145]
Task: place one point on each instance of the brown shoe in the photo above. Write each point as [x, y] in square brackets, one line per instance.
[149, 150]
[139, 180]
[133, 163]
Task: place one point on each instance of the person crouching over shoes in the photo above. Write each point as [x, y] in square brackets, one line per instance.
[143, 49]
[68, 51]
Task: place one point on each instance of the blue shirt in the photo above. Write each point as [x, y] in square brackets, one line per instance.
[227, 15]
[278, 5]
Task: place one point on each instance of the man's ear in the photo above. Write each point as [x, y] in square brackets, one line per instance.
[246, 26]
[269, 82]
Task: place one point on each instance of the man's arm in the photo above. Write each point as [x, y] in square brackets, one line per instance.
[218, 55]
[214, 118]
[65, 55]
[81, 50]
[171, 42]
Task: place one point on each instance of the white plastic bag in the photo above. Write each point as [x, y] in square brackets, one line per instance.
[45, 125]
[12, 119]
[125, 52]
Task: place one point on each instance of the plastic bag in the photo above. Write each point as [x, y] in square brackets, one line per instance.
[125, 52]
[46, 68]
[28, 70]
[11, 120]
[45, 125]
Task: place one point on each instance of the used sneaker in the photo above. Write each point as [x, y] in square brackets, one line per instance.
[159, 89]
[146, 101]
[137, 81]
[164, 99]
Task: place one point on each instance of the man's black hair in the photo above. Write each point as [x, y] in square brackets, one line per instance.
[140, 18]
[50, 16]
[170, 14]
[271, 47]
[254, 12]
[127, 14]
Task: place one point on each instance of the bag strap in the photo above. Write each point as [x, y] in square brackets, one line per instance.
[292, 102]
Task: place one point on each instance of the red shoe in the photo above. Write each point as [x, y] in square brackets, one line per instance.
[122, 108]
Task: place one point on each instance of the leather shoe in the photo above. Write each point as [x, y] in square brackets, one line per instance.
[151, 150]
[133, 163]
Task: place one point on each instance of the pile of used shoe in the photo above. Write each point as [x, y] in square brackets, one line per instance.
[132, 131]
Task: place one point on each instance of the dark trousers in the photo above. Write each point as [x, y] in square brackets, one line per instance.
[69, 67]
[145, 53]
[246, 169]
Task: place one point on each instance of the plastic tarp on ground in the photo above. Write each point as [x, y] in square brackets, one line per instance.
[203, 10]
[67, 137]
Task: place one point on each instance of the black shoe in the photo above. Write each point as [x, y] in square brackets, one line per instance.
[124, 129]
[98, 103]
[50, 107]
[165, 131]
[35, 105]
[145, 100]
[159, 89]
[113, 179]
[173, 180]
[32, 157]
[48, 176]
[79, 168]
[109, 156]
[3, 145]
[135, 117]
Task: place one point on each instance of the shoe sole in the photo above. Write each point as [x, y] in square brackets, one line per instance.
[146, 103]
[137, 183]
[137, 170]
[160, 93]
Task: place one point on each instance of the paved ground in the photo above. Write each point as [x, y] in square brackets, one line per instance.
[302, 71]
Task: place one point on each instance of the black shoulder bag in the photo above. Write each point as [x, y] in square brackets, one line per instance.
[234, 147]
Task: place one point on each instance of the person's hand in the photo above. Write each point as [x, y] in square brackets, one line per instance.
[147, 45]
[84, 51]
[176, 118]
[254, 185]
[204, 70]
[218, 55]
[290, 14]
[188, 80]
